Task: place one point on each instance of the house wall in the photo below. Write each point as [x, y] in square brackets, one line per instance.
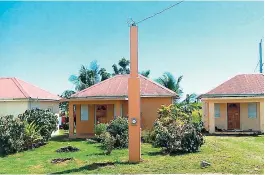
[13, 107]
[53, 105]
[245, 122]
[149, 107]
[221, 122]
[248, 123]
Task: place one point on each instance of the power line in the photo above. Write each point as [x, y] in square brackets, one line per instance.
[256, 66]
[159, 12]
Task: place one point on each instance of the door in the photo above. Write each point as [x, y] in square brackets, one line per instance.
[233, 116]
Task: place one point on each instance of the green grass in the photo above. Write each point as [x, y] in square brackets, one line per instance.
[235, 155]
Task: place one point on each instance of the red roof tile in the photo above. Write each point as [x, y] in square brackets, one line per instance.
[117, 86]
[13, 88]
[243, 84]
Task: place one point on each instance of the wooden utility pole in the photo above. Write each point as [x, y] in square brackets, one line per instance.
[134, 99]
[260, 57]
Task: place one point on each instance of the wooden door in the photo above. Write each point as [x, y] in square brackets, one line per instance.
[233, 116]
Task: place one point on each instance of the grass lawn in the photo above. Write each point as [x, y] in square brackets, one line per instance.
[226, 154]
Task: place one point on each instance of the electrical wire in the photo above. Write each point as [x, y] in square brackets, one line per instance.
[159, 12]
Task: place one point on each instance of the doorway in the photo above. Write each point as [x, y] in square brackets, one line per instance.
[101, 114]
[233, 116]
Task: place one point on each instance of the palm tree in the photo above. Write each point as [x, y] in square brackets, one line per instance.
[104, 74]
[169, 81]
[145, 73]
[87, 76]
[124, 67]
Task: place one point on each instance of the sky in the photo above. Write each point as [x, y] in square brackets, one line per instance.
[207, 42]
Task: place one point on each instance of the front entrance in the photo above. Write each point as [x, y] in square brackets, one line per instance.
[233, 116]
[101, 114]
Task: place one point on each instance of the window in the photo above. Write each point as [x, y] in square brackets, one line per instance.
[84, 112]
[216, 110]
[252, 110]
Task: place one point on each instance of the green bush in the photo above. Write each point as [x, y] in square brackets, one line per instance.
[108, 142]
[48, 121]
[118, 128]
[175, 131]
[31, 134]
[11, 135]
[147, 136]
[116, 135]
[100, 129]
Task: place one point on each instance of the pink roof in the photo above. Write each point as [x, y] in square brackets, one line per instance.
[14, 88]
[117, 86]
[243, 84]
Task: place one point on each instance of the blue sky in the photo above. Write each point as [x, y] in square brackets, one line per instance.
[207, 42]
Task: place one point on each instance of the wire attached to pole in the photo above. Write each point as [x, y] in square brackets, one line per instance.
[158, 12]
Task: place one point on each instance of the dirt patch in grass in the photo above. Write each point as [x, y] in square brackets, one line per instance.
[60, 160]
[67, 149]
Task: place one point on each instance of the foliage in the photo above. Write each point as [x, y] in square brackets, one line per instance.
[118, 128]
[89, 76]
[169, 81]
[100, 128]
[124, 67]
[147, 136]
[116, 135]
[145, 73]
[64, 106]
[11, 135]
[108, 142]
[175, 131]
[42, 118]
[31, 134]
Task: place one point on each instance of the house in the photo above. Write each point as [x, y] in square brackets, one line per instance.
[16, 96]
[101, 102]
[237, 104]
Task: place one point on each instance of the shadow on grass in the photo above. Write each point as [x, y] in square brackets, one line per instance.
[163, 153]
[93, 166]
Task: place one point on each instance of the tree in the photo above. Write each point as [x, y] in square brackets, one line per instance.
[64, 106]
[89, 76]
[169, 81]
[124, 67]
[145, 73]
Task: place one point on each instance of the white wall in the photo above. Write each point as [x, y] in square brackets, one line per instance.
[13, 107]
[54, 105]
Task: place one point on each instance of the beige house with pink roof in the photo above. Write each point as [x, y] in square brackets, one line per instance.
[16, 96]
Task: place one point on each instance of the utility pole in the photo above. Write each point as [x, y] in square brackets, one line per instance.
[134, 99]
[260, 57]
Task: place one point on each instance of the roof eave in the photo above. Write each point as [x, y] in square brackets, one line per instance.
[229, 95]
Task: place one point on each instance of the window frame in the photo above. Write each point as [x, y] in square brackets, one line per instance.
[253, 104]
[217, 108]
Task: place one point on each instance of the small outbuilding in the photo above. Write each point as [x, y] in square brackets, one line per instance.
[235, 105]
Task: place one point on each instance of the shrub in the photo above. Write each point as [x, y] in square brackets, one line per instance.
[42, 118]
[116, 135]
[118, 128]
[100, 128]
[31, 134]
[175, 131]
[147, 136]
[108, 142]
[11, 135]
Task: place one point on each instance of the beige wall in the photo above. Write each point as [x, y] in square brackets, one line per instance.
[248, 123]
[245, 122]
[54, 105]
[149, 107]
[221, 122]
[13, 107]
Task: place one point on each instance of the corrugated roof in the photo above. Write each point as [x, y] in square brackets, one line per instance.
[240, 85]
[117, 86]
[14, 88]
